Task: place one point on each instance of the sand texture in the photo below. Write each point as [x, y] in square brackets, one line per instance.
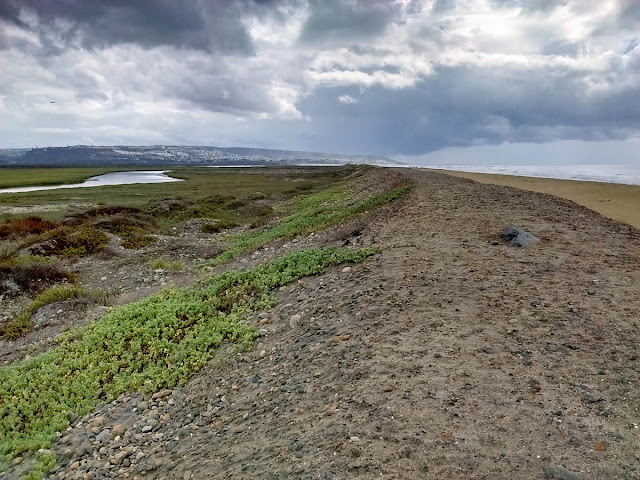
[613, 200]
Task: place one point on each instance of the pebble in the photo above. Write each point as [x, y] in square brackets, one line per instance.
[104, 436]
[472, 463]
[294, 321]
[119, 457]
[117, 430]
[98, 421]
[161, 394]
[593, 398]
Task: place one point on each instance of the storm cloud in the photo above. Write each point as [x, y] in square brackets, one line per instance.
[382, 77]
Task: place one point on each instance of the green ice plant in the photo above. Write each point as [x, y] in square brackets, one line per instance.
[313, 213]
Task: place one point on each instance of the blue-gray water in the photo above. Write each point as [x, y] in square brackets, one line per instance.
[115, 178]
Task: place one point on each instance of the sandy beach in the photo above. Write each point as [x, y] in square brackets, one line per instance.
[613, 200]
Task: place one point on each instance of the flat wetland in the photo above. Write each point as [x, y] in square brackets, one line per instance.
[199, 183]
[318, 322]
[25, 177]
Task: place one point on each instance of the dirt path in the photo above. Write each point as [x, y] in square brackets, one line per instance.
[451, 355]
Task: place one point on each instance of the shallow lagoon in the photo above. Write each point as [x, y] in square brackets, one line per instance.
[114, 178]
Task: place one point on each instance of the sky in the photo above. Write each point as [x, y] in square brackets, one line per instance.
[418, 80]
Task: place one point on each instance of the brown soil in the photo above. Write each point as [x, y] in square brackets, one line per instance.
[450, 355]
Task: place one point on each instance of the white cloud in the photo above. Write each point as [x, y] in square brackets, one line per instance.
[347, 99]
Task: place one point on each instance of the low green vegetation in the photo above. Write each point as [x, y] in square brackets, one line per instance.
[192, 196]
[23, 322]
[258, 196]
[312, 214]
[147, 345]
[162, 264]
[67, 241]
[134, 241]
[217, 227]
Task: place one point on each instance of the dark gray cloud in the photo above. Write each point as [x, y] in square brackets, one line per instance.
[545, 6]
[443, 6]
[463, 107]
[207, 25]
[343, 75]
[331, 21]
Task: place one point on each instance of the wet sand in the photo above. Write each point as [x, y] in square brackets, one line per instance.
[613, 200]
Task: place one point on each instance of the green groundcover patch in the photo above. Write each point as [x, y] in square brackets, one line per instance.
[151, 344]
[312, 214]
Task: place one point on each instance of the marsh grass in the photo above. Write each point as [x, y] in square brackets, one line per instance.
[25, 274]
[32, 277]
[150, 344]
[23, 323]
[163, 264]
[26, 177]
[195, 191]
[135, 241]
[217, 227]
[67, 241]
[25, 225]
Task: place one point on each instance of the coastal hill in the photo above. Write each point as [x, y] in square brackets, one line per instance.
[87, 155]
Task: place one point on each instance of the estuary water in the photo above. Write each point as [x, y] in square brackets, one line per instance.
[114, 178]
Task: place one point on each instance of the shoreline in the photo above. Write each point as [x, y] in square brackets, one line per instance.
[617, 201]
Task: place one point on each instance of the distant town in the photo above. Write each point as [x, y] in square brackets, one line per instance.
[87, 155]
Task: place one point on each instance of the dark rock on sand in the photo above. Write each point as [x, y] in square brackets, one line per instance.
[518, 237]
[561, 473]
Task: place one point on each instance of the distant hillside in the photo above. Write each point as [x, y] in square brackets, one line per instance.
[85, 155]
